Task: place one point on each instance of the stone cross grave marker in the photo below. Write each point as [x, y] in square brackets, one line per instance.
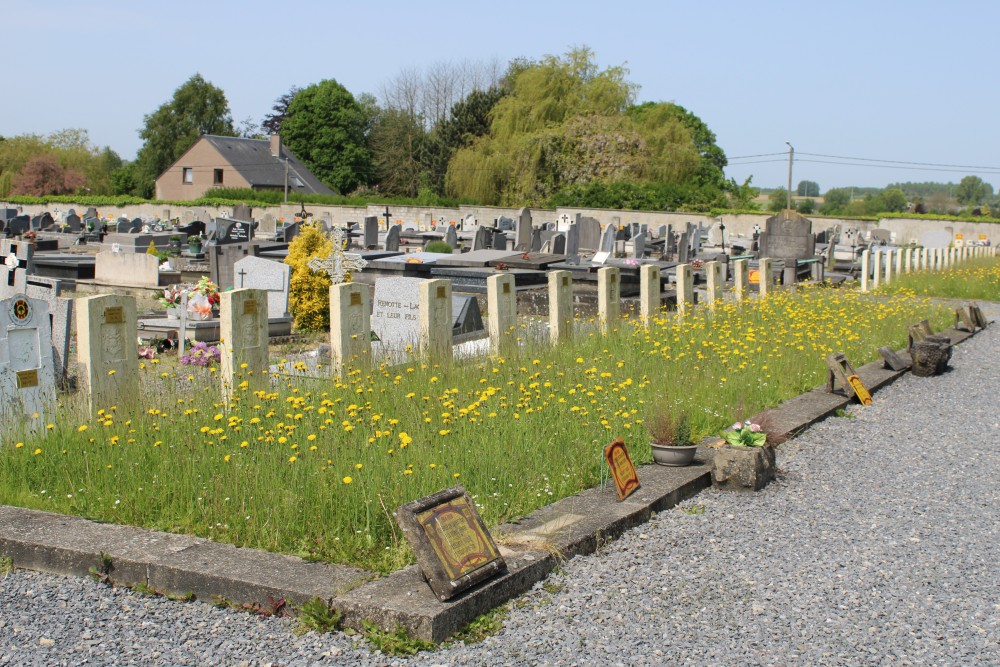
[338, 264]
[27, 378]
[268, 275]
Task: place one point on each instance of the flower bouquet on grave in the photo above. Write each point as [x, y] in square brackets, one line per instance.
[745, 434]
[171, 299]
[696, 263]
[202, 297]
[201, 354]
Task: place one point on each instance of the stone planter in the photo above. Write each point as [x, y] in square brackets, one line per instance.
[931, 356]
[666, 455]
[743, 468]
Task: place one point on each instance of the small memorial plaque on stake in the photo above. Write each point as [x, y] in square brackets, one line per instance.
[622, 470]
[840, 370]
[453, 547]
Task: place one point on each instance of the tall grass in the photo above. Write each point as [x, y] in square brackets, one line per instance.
[977, 279]
[315, 467]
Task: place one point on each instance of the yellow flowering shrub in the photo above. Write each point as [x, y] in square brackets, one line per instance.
[309, 291]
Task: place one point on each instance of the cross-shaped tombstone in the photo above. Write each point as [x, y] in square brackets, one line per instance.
[387, 216]
[338, 263]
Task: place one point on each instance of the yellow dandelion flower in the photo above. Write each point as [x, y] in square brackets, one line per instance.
[347, 480]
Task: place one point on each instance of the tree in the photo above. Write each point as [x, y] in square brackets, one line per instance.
[973, 190]
[835, 201]
[396, 143]
[197, 108]
[777, 200]
[272, 122]
[325, 127]
[893, 200]
[73, 153]
[712, 156]
[468, 120]
[805, 206]
[43, 175]
[807, 189]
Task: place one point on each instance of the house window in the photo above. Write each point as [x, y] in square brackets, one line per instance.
[188, 175]
[218, 177]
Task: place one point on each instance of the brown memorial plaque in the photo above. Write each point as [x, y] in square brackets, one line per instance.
[27, 379]
[622, 470]
[860, 390]
[114, 315]
[250, 307]
[453, 547]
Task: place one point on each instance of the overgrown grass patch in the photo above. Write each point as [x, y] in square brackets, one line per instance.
[977, 279]
[315, 468]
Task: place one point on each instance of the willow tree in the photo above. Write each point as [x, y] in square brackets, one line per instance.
[565, 123]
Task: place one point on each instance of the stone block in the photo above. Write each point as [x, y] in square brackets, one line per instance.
[743, 468]
[649, 292]
[501, 299]
[243, 333]
[106, 346]
[435, 325]
[350, 326]
[608, 297]
[560, 306]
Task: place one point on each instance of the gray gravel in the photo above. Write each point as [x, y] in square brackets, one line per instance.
[877, 545]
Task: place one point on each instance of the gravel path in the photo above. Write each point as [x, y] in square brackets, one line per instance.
[877, 545]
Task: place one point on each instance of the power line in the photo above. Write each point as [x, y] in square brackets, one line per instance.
[983, 170]
[740, 157]
[923, 164]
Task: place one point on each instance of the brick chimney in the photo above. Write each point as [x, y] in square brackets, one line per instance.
[276, 145]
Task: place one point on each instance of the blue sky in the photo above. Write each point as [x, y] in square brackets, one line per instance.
[884, 80]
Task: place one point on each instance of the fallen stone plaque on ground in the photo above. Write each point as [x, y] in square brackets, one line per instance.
[892, 360]
[622, 470]
[454, 549]
[840, 369]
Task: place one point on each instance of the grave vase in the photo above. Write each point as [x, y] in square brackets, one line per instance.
[670, 455]
[173, 313]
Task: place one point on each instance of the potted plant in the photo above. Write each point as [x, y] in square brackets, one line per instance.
[746, 462]
[171, 300]
[194, 244]
[670, 438]
[175, 243]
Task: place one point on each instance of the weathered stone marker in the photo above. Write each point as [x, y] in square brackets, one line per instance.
[684, 281]
[892, 360]
[501, 299]
[436, 320]
[931, 356]
[560, 306]
[27, 377]
[350, 326]
[649, 292]
[106, 347]
[453, 547]
[713, 273]
[865, 269]
[740, 278]
[608, 297]
[765, 276]
[243, 332]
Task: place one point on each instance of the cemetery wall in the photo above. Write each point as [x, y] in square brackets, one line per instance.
[906, 229]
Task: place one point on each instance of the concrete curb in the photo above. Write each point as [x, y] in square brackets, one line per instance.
[532, 547]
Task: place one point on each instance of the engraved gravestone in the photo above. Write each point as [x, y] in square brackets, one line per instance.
[106, 346]
[522, 240]
[787, 235]
[451, 237]
[608, 239]
[234, 231]
[395, 319]
[590, 233]
[392, 239]
[268, 226]
[243, 329]
[371, 232]
[268, 275]
[27, 379]
[74, 222]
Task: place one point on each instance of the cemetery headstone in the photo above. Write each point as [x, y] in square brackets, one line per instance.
[392, 239]
[590, 233]
[522, 240]
[505, 224]
[395, 319]
[27, 378]
[572, 250]
[622, 470]
[268, 275]
[683, 249]
[234, 231]
[106, 346]
[451, 236]
[243, 331]
[608, 239]
[242, 212]
[649, 292]
[435, 318]
[483, 239]
[536, 240]
[639, 245]
[290, 231]
[371, 232]
[268, 226]
[560, 306]
[127, 269]
[222, 259]
[74, 222]
[502, 305]
[499, 240]
[787, 236]
[18, 225]
[559, 244]
[350, 326]
[608, 297]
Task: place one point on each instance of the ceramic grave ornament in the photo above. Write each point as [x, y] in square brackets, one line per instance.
[27, 376]
[338, 264]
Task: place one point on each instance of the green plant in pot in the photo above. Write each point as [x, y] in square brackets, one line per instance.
[747, 461]
[194, 244]
[670, 437]
[745, 434]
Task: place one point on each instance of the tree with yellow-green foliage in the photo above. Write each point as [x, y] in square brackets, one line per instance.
[565, 125]
[309, 291]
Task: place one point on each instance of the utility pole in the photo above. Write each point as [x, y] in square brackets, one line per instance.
[791, 153]
[286, 179]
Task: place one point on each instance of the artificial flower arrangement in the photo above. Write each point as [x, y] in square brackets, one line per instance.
[201, 354]
[745, 434]
[201, 298]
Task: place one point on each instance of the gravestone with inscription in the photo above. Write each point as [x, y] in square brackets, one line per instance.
[106, 346]
[243, 331]
[395, 319]
[590, 233]
[370, 240]
[268, 275]
[233, 231]
[392, 239]
[27, 379]
[787, 236]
